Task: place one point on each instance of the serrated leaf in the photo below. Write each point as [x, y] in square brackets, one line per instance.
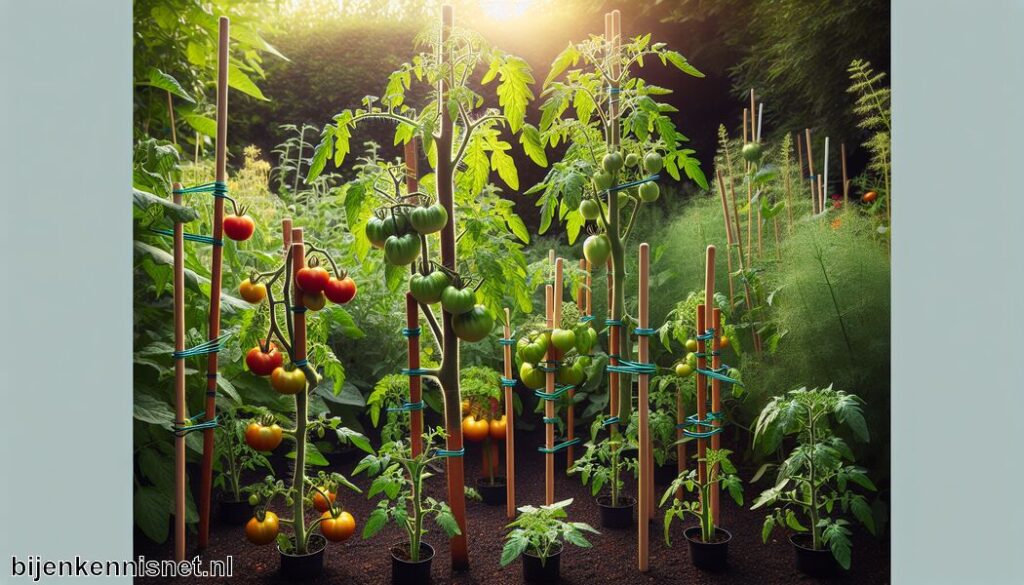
[533, 147]
[567, 58]
[167, 82]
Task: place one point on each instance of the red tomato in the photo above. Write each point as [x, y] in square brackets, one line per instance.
[320, 503]
[239, 227]
[263, 438]
[263, 364]
[340, 290]
[312, 279]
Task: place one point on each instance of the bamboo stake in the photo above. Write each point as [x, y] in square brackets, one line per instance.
[645, 489]
[180, 398]
[800, 155]
[206, 484]
[510, 446]
[707, 318]
[744, 141]
[728, 235]
[750, 222]
[549, 406]
[810, 170]
[846, 182]
[716, 402]
[821, 194]
[760, 119]
[702, 398]
[570, 415]
[753, 115]
[824, 185]
[412, 319]
[789, 190]
[613, 352]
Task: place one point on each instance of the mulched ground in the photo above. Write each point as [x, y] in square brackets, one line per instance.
[611, 560]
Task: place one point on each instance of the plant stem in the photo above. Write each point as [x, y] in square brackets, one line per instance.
[299, 477]
[813, 508]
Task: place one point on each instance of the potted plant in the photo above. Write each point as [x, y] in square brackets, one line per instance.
[817, 477]
[538, 534]
[662, 422]
[484, 423]
[398, 477]
[709, 544]
[239, 445]
[601, 465]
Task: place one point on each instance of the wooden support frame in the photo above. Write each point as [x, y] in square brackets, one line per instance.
[645, 489]
[510, 446]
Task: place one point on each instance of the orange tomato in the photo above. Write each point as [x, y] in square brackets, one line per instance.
[263, 438]
[465, 407]
[497, 429]
[320, 503]
[264, 532]
[869, 197]
[475, 429]
[288, 381]
[253, 293]
[337, 528]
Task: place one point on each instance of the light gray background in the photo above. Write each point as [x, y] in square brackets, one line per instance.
[958, 378]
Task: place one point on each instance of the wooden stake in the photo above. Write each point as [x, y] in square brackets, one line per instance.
[750, 223]
[170, 118]
[821, 194]
[810, 171]
[570, 415]
[728, 235]
[716, 401]
[613, 351]
[645, 488]
[180, 398]
[846, 183]
[753, 117]
[705, 319]
[510, 436]
[206, 484]
[412, 318]
[789, 189]
[824, 185]
[800, 155]
[702, 397]
[549, 406]
[744, 141]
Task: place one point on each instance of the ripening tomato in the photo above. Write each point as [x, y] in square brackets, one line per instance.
[314, 301]
[252, 292]
[323, 504]
[312, 279]
[340, 290]
[723, 341]
[465, 407]
[288, 382]
[337, 528]
[263, 364]
[263, 438]
[262, 531]
[596, 249]
[239, 227]
[691, 345]
[532, 376]
[475, 429]
[683, 369]
[497, 428]
[751, 152]
[869, 197]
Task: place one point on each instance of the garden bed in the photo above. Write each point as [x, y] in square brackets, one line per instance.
[612, 560]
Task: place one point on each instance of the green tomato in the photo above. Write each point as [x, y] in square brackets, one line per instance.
[254, 500]
[570, 375]
[427, 288]
[428, 220]
[597, 249]
[653, 163]
[691, 345]
[612, 162]
[632, 160]
[691, 359]
[402, 250]
[584, 361]
[584, 342]
[379, 230]
[534, 352]
[458, 300]
[532, 377]
[602, 180]
[521, 345]
[734, 374]
[590, 209]
[473, 325]
[683, 370]
[563, 339]
[649, 192]
[751, 152]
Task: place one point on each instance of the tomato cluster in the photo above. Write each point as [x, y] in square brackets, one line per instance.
[556, 345]
[318, 286]
[476, 429]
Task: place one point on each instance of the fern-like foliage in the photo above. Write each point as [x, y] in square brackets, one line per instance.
[874, 109]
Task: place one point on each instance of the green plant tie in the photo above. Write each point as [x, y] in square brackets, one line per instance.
[549, 365]
[611, 420]
[551, 420]
[559, 446]
[407, 407]
[217, 188]
[447, 453]
[415, 371]
[613, 322]
[559, 391]
[586, 318]
[645, 331]
[505, 341]
[634, 183]
[183, 428]
[628, 367]
[191, 237]
[508, 382]
[718, 374]
[207, 347]
[413, 332]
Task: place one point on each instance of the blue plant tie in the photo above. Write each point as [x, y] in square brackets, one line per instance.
[707, 423]
[207, 347]
[559, 446]
[415, 371]
[414, 332]
[551, 420]
[183, 428]
[611, 420]
[586, 318]
[559, 391]
[299, 309]
[613, 322]
[628, 367]
[506, 341]
[447, 453]
[191, 237]
[718, 374]
[613, 90]
[645, 331]
[217, 188]
[508, 382]
[634, 183]
[407, 407]
[299, 363]
[709, 334]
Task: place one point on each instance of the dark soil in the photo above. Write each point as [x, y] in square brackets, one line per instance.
[613, 558]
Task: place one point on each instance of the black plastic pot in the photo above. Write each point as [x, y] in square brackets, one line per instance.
[235, 513]
[406, 572]
[811, 562]
[492, 494]
[619, 515]
[710, 556]
[296, 567]
[548, 572]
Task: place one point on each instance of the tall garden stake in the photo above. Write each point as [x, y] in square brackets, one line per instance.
[549, 405]
[645, 489]
[708, 318]
[810, 170]
[180, 398]
[412, 319]
[508, 383]
[716, 395]
[206, 484]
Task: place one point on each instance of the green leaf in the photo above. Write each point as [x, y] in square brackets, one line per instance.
[518, 228]
[681, 63]
[793, 523]
[513, 90]
[567, 58]
[313, 456]
[515, 545]
[506, 167]
[201, 124]
[862, 511]
[374, 522]
[239, 80]
[347, 435]
[766, 530]
[532, 145]
[171, 211]
[152, 512]
[152, 410]
[166, 82]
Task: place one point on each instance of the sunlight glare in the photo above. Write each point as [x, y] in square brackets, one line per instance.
[505, 9]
